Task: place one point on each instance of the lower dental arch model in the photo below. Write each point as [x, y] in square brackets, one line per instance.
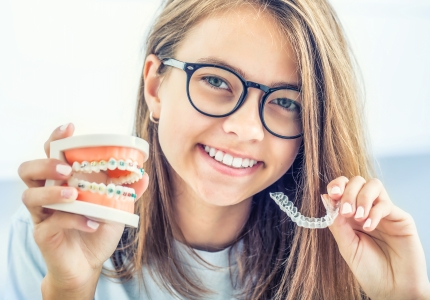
[106, 170]
[288, 207]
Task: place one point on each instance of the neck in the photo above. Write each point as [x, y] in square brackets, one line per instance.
[209, 227]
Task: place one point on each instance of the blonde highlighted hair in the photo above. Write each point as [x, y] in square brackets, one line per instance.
[278, 260]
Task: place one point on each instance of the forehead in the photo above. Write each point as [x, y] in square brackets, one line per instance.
[245, 38]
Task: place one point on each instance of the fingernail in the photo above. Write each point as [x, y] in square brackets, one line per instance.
[68, 193]
[359, 213]
[335, 190]
[367, 223]
[64, 169]
[64, 127]
[92, 224]
[346, 208]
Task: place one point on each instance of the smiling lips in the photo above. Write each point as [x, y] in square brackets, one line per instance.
[228, 160]
[101, 173]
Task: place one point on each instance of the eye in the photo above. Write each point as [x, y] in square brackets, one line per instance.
[286, 104]
[216, 82]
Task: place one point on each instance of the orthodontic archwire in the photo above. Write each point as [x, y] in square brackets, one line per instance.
[288, 207]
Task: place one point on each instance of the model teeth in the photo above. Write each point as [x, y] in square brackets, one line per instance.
[112, 164]
[103, 165]
[227, 159]
[111, 190]
[95, 167]
[121, 165]
[136, 173]
[102, 189]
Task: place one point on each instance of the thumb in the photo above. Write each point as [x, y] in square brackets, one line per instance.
[344, 234]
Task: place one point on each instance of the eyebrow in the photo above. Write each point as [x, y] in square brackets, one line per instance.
[215, 61]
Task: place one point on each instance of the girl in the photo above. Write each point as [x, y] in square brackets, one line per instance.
[237, 99]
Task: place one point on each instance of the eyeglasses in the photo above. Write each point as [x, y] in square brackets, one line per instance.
[217, 91]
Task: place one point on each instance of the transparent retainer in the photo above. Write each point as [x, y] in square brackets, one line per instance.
[288, 207]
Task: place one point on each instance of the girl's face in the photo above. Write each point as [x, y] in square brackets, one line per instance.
[250, 41]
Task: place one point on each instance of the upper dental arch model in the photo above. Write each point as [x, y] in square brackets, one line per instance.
[106, 170]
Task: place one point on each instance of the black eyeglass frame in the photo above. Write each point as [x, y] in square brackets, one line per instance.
[190, 68]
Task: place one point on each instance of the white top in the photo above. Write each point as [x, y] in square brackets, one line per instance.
[26, 269]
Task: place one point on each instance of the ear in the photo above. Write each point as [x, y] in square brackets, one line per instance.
[152, 82]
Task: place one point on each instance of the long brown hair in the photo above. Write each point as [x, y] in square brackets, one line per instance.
[278, 260]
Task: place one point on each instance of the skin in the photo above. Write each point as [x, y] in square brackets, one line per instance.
[387, 257]
[216, 204]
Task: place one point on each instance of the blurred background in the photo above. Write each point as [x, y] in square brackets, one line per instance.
[80, 61]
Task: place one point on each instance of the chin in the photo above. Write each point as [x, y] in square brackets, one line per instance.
[219, 196]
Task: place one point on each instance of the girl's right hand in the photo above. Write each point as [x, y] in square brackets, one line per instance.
[74, 247]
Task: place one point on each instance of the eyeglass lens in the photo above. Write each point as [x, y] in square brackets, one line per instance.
[216, 91]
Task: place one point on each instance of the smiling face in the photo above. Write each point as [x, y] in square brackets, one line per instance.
[250, 42]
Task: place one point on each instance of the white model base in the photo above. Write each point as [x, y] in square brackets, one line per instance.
[97, 212]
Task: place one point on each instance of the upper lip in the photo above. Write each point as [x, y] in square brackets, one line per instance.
[233, 153]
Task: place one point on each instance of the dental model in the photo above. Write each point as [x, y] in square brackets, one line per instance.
[106, 170]
[288, 207]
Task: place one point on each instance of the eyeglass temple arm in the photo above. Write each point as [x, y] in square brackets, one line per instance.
[174, 63]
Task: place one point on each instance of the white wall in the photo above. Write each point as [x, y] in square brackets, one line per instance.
[391, 40]
[79, 61]
[67, 61]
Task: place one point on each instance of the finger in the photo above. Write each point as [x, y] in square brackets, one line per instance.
[35, 198]
[336, 187]
[35, 172]
[367, 196]
[47, 232]
[377, 212]
[59, 133]
[349, 197]
[344, 235]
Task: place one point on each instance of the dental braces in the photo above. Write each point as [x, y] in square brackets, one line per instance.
[102, 165]
[292, 212]
[110, 190]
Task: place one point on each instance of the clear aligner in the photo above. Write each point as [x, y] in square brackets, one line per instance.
[288, 207]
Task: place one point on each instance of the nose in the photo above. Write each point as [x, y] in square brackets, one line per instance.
[245, 122]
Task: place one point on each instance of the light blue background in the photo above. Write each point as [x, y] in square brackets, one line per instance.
[77, 61]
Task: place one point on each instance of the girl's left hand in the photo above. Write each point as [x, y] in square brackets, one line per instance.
[378, 241]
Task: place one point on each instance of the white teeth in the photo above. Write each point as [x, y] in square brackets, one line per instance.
[118, 191]
[121, 165]
[76, 166]
[227, 160]
[212, 152]
[93, 187]
[219, 155]
[121, 193]
[245, 163]
[237, 162]
[110, 190]
[85, 167]
[102, 188]
[103, 165]
[83, 185]
[95, 167]
[129, 165]
[112, 164]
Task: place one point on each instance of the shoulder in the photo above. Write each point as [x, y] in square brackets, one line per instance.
[22, 217]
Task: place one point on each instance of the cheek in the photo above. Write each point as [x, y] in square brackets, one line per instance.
[284, 153]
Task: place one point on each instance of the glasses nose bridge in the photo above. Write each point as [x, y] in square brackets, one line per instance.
[255, 85]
